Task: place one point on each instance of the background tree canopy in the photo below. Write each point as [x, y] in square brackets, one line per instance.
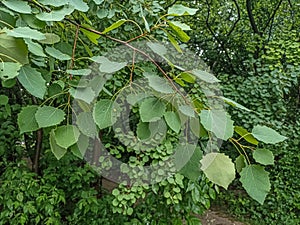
[99, 90]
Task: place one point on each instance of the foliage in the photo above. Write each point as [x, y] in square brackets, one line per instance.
[151, 118]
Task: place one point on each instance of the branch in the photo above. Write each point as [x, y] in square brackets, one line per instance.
[271, 18]
[251, 18]
[238, 19]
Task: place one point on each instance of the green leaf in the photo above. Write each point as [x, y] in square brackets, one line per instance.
[180, 10]
[267, 135]
[157, 48]
[160, 84]
[26, 32]
[263, 156]
[187, 110]
[85, 94]
[79, 149]
[81, 72]
[50, 39]
[218, 122]
[174, 42]
[91, 36]
[79, 5]
[240, 163]
[256, 182]
[143, 132]
[98, 2]
[114, 26]
[57, 54]
[26, 120]
[18, 6]
[246, 135]
[35, 48]
[191, 169]
[3, 99]
[152, 109]
[33, 22]
[173, 121]
[9, 70]
[56, 15]
[48, 116]
[182, 26]
[66, 136]
[54, 3]
[235, 104]
[13, 49]
[32, 81]
[179, 32]
[205, 76]
[86, 124]
[104, 114]
[218, 168]
[58, 151]
[107, 66]
[187, 77]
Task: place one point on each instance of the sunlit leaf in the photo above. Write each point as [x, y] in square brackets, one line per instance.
[48, 116]
[114, 26]
[263, 156]
[26, 32]
[180, 10]
[267, 135]
[66, 136]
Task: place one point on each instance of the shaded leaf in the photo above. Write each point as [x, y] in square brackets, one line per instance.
[263, 156]
[57, 54]
[218, 122]
[79, 149]
[79, 5]
[9, 70]
[18, 6]
[143, 132]
[157, 48]
[48, 116]
[218, 168]
[267, 135]
[160, 84]
[151, 110]
[66, 136]
[107, 66]
[81, 72]
[235, 104]
[54, 3]
[85, 94]
[104, 113]
[50, 39]
[180, 10]
[256, 182]
[179, 32]
[35, 48]
[205, 76]
[187, 110]
[86, 124]
[91, 36]
[173, 121]
[26, 120]
[114, 26]
[58, 151]
[56, 15]
[240, 163]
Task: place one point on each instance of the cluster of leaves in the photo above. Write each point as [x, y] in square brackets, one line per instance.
[37, 56]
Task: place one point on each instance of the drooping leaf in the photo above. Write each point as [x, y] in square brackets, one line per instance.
[143, 132]
[66, 136]
[35, 48]
[104, 113]
[160, 84]
[80, 72]
[18, 6]
[263, 156]
[58, 151]
[179, 32]
[56, 15]
[218, 122]
[246, 135]
[180, 10]
[50, 39]
[205, 76]
[26, 32]
[267, 135]
[240, 163]
[157, 48]
[183, 154]
[79, 148]
[256, 182]
[13, 49]
[218, 168]
[191, 169]
[114, 26]
[26, 119]
[152, 109]
[91, 36]
[174, 42]
[86, 124]
[173, 121]
[57, 54]
[32, 81]
[183, 26]
[48, 116]
[234, 104]
[9, 70]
